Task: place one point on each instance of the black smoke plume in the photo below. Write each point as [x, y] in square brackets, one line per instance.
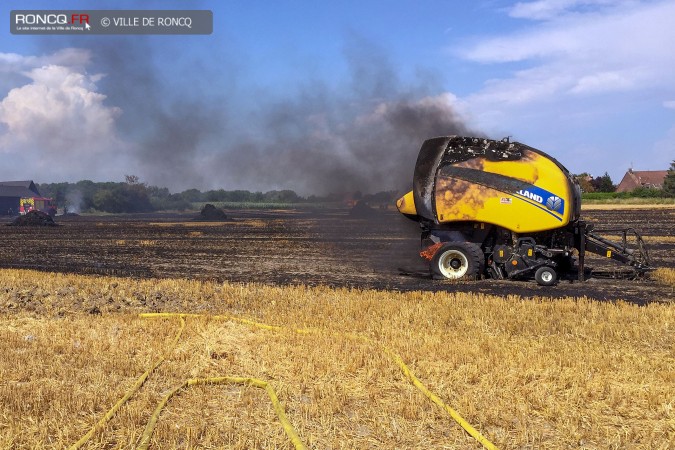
[362, 133]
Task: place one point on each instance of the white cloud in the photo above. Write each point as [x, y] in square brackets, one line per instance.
[74, 58]
[631, 34]
[59, 107]
[548, 9]
[605, 81]
[623, 50]
[579, 82]
[57, 115]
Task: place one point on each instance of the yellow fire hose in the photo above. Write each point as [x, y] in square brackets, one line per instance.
[137, 385]
[278, 408]
[394, 356]
[434, 398]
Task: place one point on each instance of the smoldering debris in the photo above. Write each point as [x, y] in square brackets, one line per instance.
[212, 214]
[33, 219]
[361, 210]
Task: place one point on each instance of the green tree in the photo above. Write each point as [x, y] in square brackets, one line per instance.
[603, 183]
[214, 195]
[669, 182]
[129, 197]
[57, 191]
[284, 196]
[192, 195]
[239, 196]
[132, 179]
[585, 181]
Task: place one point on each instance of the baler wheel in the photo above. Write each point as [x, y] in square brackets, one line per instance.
[546, 276]
[457, 260]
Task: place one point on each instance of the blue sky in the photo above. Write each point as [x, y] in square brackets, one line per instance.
[588, 81]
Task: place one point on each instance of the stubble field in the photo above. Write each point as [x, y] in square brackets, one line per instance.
[577, 365]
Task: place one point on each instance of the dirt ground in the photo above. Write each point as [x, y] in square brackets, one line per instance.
[327, 247]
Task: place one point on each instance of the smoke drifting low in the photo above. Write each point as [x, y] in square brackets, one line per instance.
[361, 133]
[367, 147]
[364, 135]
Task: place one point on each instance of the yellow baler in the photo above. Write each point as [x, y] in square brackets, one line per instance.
[504, 210]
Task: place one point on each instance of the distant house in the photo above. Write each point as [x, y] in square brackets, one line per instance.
[11, 193]
[642, 178]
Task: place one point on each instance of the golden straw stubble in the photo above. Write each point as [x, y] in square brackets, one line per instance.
[525, 372]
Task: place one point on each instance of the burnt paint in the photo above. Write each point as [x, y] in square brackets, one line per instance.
[424, 178]
[464, 153]
[460, 149]
[488, 179]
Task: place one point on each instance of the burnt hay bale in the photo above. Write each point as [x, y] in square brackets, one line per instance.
[362, 211]
[33, 219]
[211, 213]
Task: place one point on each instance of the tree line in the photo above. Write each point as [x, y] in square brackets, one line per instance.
[131, 196]
[589, 184]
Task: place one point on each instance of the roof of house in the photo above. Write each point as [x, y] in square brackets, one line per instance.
[24, 183]
[18, 189]
[638, 178]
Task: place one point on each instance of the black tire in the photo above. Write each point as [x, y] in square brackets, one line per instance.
[546, 276]
[457, 261]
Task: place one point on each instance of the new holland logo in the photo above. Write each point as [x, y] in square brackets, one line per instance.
[554, 203]
[546, 199]
[531, 196]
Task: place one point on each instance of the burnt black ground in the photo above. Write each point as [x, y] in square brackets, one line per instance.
[326, 247]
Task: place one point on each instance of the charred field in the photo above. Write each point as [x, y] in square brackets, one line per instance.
[325, 247]
[529, 367]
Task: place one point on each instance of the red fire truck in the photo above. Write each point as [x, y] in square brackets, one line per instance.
[43, 204]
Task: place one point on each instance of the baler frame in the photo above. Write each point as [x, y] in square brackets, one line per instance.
[505, 210]
[637, 258]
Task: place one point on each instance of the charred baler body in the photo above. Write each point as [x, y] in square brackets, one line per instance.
[505, 210]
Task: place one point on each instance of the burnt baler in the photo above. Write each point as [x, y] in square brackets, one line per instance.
[505, 210]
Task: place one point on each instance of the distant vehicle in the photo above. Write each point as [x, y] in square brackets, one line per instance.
[43, 204]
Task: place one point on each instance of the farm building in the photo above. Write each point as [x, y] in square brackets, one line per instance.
[643, 178]
[11, 192]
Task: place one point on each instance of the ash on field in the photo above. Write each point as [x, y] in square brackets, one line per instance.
[328, 247]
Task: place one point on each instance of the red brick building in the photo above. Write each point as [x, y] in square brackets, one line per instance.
[643, 178]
